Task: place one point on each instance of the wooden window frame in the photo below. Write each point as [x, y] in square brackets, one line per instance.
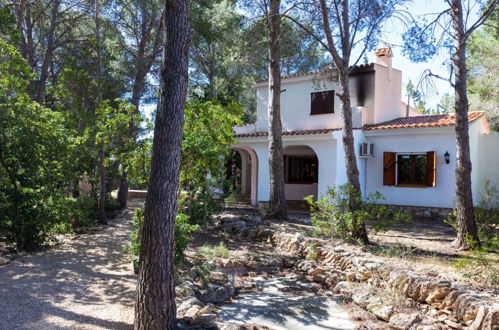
[391, 169]
[332, 93]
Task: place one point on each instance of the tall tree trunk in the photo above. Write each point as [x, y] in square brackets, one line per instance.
[143, 66]
[44, 70]
[102, 169]
[349, 149]
[276, 159]
[342, 65]
[138, 87]
[467, 234]
[102, 196]
[155, 307]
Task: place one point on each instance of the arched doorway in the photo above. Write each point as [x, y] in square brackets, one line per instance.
[248, 177]
[301, 173]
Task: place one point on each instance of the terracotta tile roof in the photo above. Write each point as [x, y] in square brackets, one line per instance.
[422, 121]
[287, 133]
[354, 69]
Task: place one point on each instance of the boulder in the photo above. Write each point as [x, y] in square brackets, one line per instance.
[186, 305]
[382, 312]
[403, 321]
[344, 288]
[216, 294]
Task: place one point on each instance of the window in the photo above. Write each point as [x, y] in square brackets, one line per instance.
[322, 102]
[409, 169]
[300, 169]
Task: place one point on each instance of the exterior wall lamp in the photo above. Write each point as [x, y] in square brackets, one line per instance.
[447, 157]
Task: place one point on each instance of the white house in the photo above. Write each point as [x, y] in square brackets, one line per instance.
[404, 153]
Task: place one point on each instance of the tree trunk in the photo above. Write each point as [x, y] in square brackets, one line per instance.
[276, 159]
[155, 306]
[467, 236]
[40, 94]
[349, 150]
[102, 169]
[102, 196]
[342, 65]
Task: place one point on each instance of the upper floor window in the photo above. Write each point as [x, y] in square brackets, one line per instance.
[322, 102]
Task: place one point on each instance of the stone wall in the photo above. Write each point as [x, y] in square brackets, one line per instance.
[423, 212]
[353, 273]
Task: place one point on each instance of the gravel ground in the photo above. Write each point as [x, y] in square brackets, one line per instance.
[85, 283]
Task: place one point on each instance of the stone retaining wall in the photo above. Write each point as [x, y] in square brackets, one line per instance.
[340, 270]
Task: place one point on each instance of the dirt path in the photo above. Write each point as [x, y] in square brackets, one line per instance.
[86, 283]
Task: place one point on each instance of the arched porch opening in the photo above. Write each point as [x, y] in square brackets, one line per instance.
[301, 174]
[248, 177]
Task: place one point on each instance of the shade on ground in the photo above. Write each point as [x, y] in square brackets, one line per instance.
[285, 304]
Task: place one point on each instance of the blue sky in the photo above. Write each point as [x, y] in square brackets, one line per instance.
[413, 71]
[392, 35]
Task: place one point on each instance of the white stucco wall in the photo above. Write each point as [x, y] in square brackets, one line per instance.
[440, 140]
[296, 99]
[488, 161]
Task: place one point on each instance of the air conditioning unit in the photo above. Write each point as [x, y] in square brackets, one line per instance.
[366, 149]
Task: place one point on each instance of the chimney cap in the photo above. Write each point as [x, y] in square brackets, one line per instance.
[385, 51]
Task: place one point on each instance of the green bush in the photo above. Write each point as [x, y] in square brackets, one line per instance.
[486, 217]
[332, 217]
[183, 235]
[199, 206]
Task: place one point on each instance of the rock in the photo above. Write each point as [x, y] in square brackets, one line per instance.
[253, 264]
[477, 323]
[451, 298]
[452, 324]
[316, 271]
[344, 288]
[403, 321]
[204, 319]
[382, 312]
[216, 294]
[191, 313]
[491, 321]
[438, 294]
[350, 277]
[186, 305]
[184, 290]
[361, 298]
[4, 261]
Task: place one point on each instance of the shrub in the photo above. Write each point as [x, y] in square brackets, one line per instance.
[183, 231]
[486, 217]
[332, 216]
[208, 252]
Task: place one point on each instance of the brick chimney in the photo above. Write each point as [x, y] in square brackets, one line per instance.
[384, 56]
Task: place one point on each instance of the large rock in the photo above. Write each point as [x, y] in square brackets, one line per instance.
[382, 312]
[216, 294]
[186, 305]
[491, 321]
[403, 321]
[344, 288]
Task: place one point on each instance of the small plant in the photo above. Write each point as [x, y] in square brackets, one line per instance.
[230, 200]
[486, 218]
[333, 216]
[478, 266]
[208, 252]
[312, 253]
[183, 231]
